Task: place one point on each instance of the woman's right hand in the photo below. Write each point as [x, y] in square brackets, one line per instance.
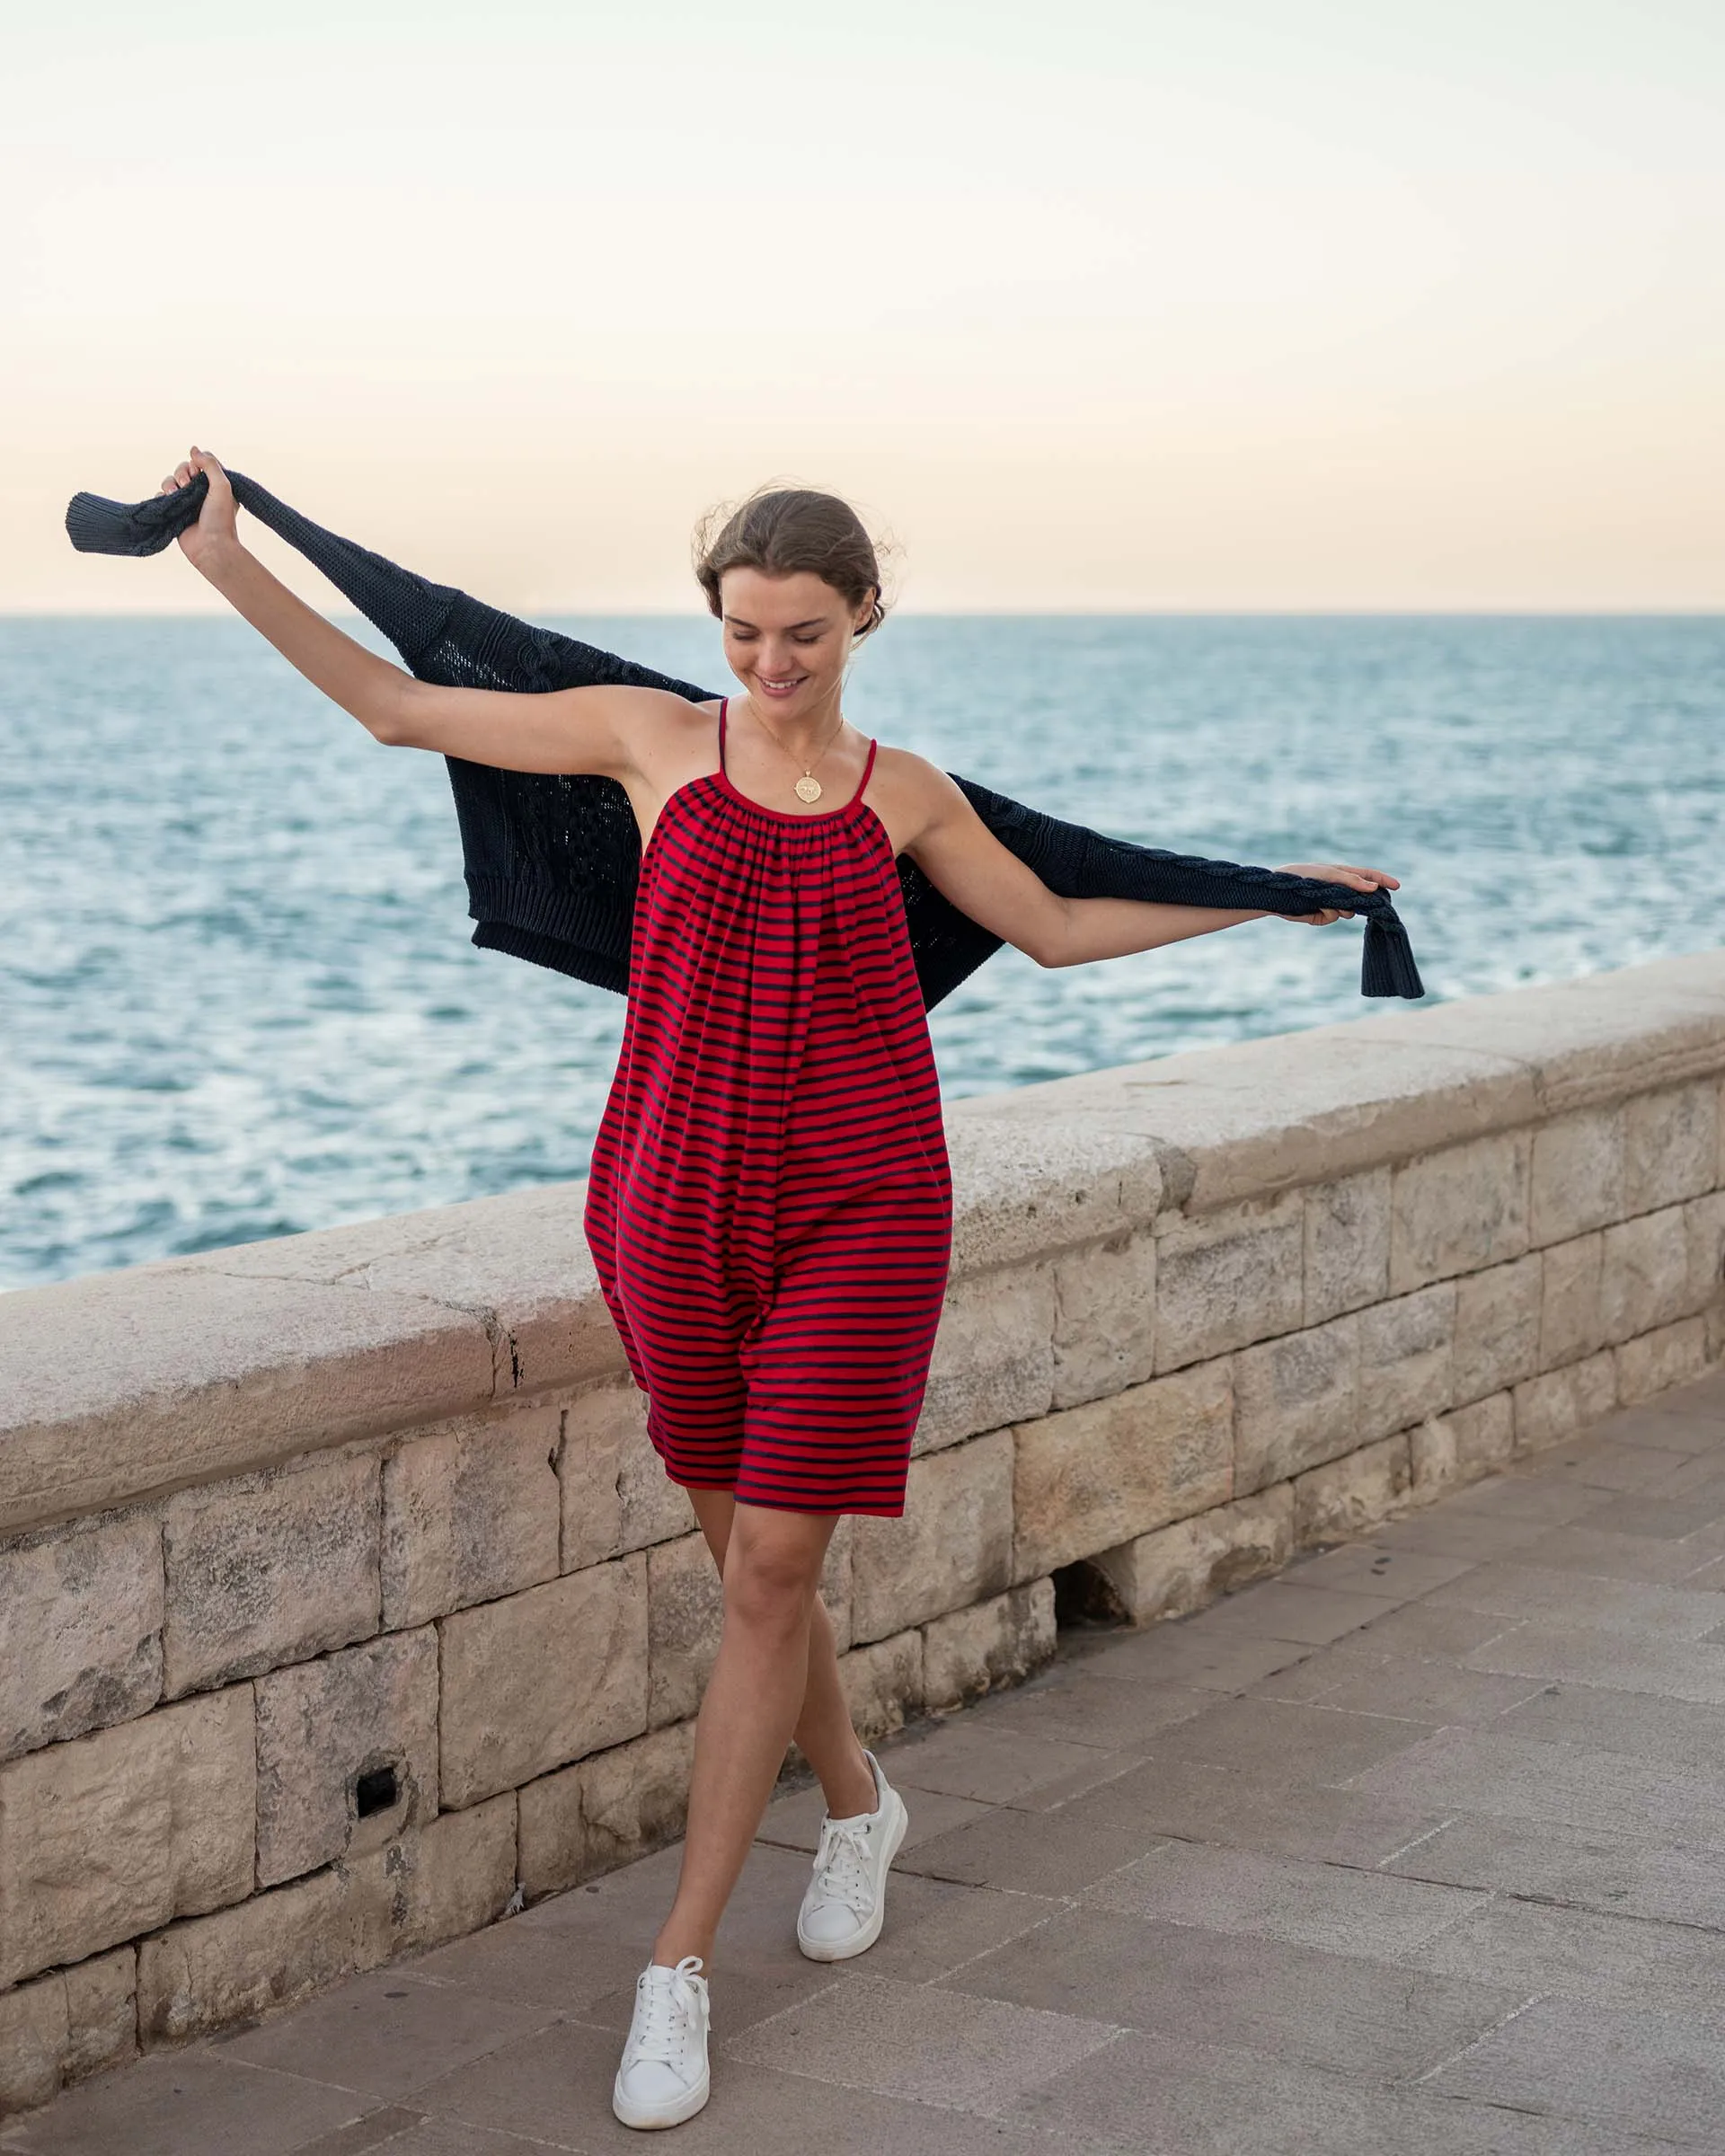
[218, 520]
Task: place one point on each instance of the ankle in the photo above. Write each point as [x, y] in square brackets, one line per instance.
[856, 1793]
[672, 1946]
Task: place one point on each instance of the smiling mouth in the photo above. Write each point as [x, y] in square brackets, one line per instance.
[781, 688]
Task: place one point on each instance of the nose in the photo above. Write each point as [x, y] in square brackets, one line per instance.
[777, 660]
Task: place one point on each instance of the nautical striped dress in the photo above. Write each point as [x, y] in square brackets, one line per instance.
[770, 1207]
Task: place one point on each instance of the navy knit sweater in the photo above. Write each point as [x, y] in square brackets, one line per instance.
[551, 862]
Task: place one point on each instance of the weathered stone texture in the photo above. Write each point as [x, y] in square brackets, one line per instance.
[470, 1514]
[1344, 1497]
[1104, 1319]
[1644, 1274]
[1464, 1445]
[1297, 1401]
[686, 1613]
[1571, 1320]
[33, 2043]
[1459, 1210]
[66, 2024]
[1406, 1361]
[1229, 1277]
[616, 1496]
[1670, 1146]
[1497, 1328]
[323, 1724]
[1578, 1175]
[994, 1355]
[1182, 1567]
[1554, 1407]
[1703, 1225]
[606, 1811]
[269, 1570]
[953, 1545]
[969, 1652]
[284, 1945]
[80, 1631]
[112, 1835]
[1089, 1478]
[534, 1682]
[1347, 1244]
[883, 1685]
[1658, 1360]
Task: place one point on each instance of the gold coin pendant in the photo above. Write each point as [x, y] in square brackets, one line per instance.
[808, 788]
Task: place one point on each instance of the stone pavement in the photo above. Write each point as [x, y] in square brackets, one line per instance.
[1419, 1847]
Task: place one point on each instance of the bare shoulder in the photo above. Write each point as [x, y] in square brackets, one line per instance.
[912, 781]
[660, 731]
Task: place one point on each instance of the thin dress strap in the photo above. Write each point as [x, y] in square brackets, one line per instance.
[724, 706]
[862, 783]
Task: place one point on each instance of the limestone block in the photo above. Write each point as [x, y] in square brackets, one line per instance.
[969, 1652]
[605, 1811]
[100, 2012]
[1345, 1496]
[321, 1725]
[469, 1515]
[1459, 1210]
[1407, 1352]
[1091, 1477]
[1297, 1402]
[1703, 1225]
[1670, 1146]
[1031, 1176]
[1551, 1408]
[269, 1570]
[836, 1581]
[994, 1355]
[538, 1679]
[1578, 1175]
[686, 1613]
[1463, 1446]
[953, 1547]
[33, 2043]
[883, 1685]
[80, 1631]
[1229, 1277]
[1347, 1244]
[66, 2024]
[1104, 1319]
[456, 1875]
[1571, 1320]
[109, 1836]
[1644, 1274]
[1189, 1564]
[616, 1496]
[1498, 1316]
[1656, 1361]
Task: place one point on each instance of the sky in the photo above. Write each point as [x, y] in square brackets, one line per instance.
[1227, 306]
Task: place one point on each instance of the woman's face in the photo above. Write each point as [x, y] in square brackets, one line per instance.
[787, 638]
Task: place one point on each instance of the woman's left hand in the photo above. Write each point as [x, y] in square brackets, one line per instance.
[1335, 871]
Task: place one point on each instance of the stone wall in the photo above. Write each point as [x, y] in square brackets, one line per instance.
[343, 1604]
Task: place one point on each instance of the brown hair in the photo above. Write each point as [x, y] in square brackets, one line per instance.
[784, 531]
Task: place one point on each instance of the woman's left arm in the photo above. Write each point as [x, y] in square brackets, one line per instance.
[964, 860]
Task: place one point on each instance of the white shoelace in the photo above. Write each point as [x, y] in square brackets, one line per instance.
[843, 1868]
[662, 2034]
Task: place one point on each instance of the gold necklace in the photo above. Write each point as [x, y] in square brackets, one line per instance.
[808, 788]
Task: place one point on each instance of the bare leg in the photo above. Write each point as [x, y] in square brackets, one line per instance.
[772, 1561]
[824, 1733]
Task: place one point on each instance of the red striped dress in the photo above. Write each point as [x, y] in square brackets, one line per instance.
[770, 1208]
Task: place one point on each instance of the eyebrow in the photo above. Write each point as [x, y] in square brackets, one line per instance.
[816, 621]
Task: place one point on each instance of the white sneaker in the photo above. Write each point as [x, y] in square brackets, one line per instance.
[663, 2078]
[844, 1904]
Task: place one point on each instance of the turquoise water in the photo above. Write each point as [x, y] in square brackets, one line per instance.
[236, 996]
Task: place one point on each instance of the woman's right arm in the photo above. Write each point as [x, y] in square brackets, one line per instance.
[564, 731]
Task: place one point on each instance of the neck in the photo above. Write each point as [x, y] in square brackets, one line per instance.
[810, 729]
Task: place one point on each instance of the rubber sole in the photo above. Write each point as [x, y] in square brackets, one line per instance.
[847, 1950]
[647, 2122]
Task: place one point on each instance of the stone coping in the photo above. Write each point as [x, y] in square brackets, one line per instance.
[121, 1386]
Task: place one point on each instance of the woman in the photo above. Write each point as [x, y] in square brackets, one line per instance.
[769, 1208]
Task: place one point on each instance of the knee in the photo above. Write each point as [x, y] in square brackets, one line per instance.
[767, 1590]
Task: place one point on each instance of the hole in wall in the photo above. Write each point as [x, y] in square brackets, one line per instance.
[377, 1792]
[1084, 1599]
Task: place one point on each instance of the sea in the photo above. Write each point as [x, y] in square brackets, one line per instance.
[237, 997]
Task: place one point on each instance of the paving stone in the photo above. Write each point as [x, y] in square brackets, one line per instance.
[1618, 1960]
[1675, 1669]
[189, 2103]
[964, 1758]
[1602, 1465]
[1186, 1653]
[1525, 1590]
[961, 1923]
[1575, 1868]
[1295, 2002]
[404, 2133]
[1486, 1771]
[1048, 1853]
[1377, 1568]
[1527, 1497]
[1671, 1518]
[526, 1964]
[1092, 1709]
[1444, 1532]
[1341, 1909]
[793, 1822]
[948, 2047]
[1310, 1745]
[1585, 1548]
[1279, 1610]
[1656, 2072]
[1425, 1691]
[1680, 1732]
[386, 2034]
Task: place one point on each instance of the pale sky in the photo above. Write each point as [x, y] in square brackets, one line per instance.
[1111, 305]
